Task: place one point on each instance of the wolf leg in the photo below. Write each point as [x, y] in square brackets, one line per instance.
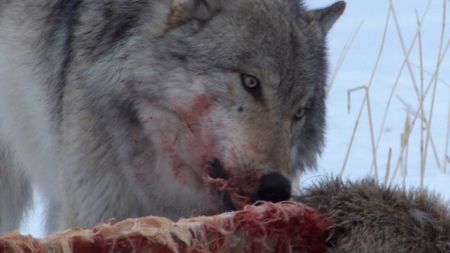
[15, 192]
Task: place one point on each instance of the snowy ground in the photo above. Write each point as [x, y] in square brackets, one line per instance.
[357, 70]
[370, 17]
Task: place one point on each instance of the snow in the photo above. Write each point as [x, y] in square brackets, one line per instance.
[34, 221]
[356, 71]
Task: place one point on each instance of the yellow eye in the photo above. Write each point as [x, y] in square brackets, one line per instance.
[251, 85]
[299, 114]
[249, 81]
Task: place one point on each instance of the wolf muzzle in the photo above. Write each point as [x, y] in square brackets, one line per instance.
[272, 186]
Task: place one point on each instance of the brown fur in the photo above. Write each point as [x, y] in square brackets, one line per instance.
[367, 217]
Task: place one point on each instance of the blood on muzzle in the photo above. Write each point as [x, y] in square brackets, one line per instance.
[272, 186]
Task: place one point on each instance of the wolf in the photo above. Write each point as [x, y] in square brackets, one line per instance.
[125, 108]
[365, 217]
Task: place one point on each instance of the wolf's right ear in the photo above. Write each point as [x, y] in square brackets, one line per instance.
[326, 17]
[182, 11]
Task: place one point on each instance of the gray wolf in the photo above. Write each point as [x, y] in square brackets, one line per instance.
[124, 108]
[368, 217]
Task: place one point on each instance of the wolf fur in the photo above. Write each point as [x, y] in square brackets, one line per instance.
[117, 108]
[367, 217]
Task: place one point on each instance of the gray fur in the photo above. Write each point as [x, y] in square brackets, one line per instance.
[14, 191]
[366, 217]
[93, 97]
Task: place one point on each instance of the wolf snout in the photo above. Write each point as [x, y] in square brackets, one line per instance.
[274, 187]
[238, 191]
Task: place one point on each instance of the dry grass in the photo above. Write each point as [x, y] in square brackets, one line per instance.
[419, 118]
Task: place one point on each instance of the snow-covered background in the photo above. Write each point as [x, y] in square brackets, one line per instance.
[388, 32]
[357, 42]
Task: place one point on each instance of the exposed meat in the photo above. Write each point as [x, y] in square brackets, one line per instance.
[266, 227]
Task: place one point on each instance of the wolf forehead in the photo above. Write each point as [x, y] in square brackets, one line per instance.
[279, 39]
[276, 39]
[250, 29]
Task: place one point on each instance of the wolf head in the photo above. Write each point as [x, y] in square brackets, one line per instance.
[210, 104]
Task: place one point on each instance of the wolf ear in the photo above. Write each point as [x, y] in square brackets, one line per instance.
[326, 17]
[182, 11]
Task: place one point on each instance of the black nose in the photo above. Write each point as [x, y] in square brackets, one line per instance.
[274, 187]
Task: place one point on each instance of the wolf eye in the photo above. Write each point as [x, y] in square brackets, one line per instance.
[251, 84]
[249, 81]
[299, 114]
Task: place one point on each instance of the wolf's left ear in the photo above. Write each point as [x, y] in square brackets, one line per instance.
[326, 17]
[182, 11]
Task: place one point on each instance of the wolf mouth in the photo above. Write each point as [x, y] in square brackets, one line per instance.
[229, 196]
[218, 172]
